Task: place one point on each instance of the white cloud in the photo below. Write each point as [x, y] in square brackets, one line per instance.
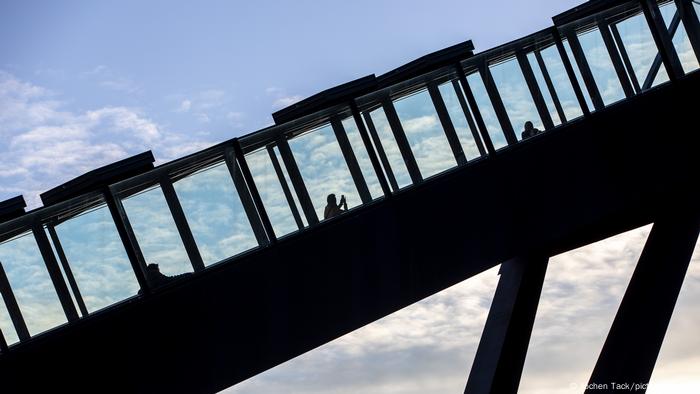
[286, 101]
[185, 106]
[47, 144]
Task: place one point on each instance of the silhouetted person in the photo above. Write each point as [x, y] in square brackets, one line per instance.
[530, 130]
[334, 209]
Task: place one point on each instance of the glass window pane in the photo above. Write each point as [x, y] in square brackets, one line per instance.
[156, 232]
[97, 258]
[31, 283]
[288, 180]
[487, 111]
[640, 46]
[562, 84]
[459, 121]
[424, 132]
[579, 78]
[516, 96]
[542, 85]
[271, 192]
[601, 66]
[358, 147]
[391, 148]
[8, 329]
[215, 214]
[681, 42]
[323, 168]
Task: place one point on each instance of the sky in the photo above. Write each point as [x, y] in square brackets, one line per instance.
[83, 84]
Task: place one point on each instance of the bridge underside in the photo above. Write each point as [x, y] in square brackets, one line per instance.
[590, 179]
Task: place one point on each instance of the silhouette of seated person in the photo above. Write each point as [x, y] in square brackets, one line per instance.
[530, 130]
[155, 278]
[334, 209]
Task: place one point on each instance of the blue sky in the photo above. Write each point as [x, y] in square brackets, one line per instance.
[83, 84]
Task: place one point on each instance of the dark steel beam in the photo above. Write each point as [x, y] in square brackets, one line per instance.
[446, 123]
[615, 58]
[12, 307]
[402, 141]
[584, 69]
[500, 357]
[285, 187]
[550, 86]
[297, 181]
[637, 333]
[468, 116]
[67, 269]
[247, 200]
[128, 238]
[183, 228]
[656, 64]
[370, 149]
[381, 152]
[692, 25]
[350, 159]
[475, 110]
[497, 102]
[625, 57]
[570, 73]
[54, 272]
[662, 39]
[534, 89]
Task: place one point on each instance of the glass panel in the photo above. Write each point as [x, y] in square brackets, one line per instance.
[459, 121]
[601, 66]
[579, 78]
[63, 272]
[358, 147]
[8, 329]
[288, 180]
[31, 283]
[215, 214]
[271, 192]
[542, 85]
[424, 132]
[156, 232]
[97, 258]
[516, 96]
[391, 148]
[681, 42]
[640, 47]
[323, 168]
[486, 110]
[562, 84]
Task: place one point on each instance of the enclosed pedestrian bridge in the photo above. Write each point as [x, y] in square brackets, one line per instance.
[441, 180]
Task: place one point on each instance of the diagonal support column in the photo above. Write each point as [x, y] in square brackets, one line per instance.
[636, 335]
[500, 356]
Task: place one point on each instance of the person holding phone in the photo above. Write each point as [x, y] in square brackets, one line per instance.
[334, 209]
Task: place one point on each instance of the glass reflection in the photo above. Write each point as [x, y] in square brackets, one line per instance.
[641, 48]
[288, 181]
[486, 109]
[391, 148]
[31, 284]
[156, 232]
[8, 329]
[358, 147]
[516, 96]
[215, 214]
[562, 83]
[542, 85]
[459, 121]
[424, 132]
[323, 168]
[681, 42]
[579, 77]
[97, 258]
[271, 192]
[601, 66]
